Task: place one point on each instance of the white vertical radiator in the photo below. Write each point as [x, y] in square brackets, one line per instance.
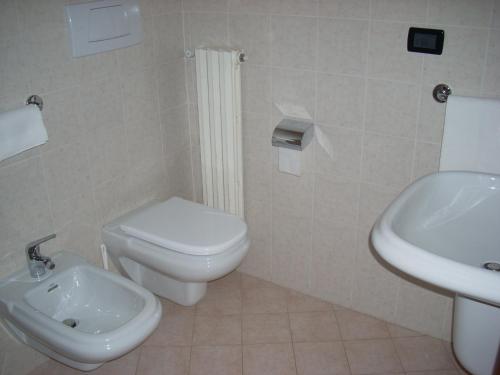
[219, 106]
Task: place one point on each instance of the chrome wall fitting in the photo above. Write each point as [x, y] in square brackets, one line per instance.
[441, 93]
[36, 100]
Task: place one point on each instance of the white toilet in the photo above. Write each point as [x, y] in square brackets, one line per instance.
[174, 247]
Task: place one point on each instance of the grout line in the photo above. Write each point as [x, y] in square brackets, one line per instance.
[486, 55]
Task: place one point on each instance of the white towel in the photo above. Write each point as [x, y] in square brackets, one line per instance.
[20, 130]
[471, 139]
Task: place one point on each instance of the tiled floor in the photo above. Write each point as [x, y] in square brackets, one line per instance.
[248, 326]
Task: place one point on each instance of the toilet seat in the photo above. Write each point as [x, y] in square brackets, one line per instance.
[186, 227]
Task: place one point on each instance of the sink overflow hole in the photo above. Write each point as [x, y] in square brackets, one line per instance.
[52, 287]
[492, 266]
[72, 323]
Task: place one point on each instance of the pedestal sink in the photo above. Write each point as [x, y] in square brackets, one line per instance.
[445, 229]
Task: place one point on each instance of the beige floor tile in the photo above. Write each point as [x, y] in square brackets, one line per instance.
[321, 358]
[314, 326]
[174, 329]
[268, 359]
[298, 302]
[170, 360]
[221, 301]
[231, 280]
[398, 331]
[423, 353]
[372, 356]
[354, 325]
[216, 360]
[265, 328]
[444, 372]
[250, 282]
[264, 300]
[172, 307]
[217, 330]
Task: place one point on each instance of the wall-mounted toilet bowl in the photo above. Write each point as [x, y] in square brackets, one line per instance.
[78, 314]
[174, 247]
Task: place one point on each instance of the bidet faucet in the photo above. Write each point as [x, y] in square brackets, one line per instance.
[37, 263]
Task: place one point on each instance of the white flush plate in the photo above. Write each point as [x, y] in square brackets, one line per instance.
[103, 25]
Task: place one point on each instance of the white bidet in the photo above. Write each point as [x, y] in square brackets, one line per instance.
[78, 314]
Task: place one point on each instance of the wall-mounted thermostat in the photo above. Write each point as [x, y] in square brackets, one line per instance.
[425, 40]
[103, 25]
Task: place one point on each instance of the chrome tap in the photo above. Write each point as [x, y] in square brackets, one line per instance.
[37, 263]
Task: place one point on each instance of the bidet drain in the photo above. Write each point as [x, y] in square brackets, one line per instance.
[72, 323]
[492, 266]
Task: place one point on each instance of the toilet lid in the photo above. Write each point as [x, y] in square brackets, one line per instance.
[186, 227]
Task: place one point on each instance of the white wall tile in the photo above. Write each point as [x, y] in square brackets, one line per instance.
[375, 288]
[251, 32]
[344, 8]
[340, 100]
[421, 309]
[400, 10]
[294, 87]
[460, 64]
[14, 68]
[291, 254]
[492, 83]
[431, 118]
[172, 84]
[346, 149]
[24, 204]
[293, 7]
[387, 56]
[373, 200]
[426, 159]
[9, 22]
[205, 29]
[342, 46]
[460, 12]
[496, 14]
[205, 5]
[337, 201]
[256, 88]
[168, 37]
[293, 42]
[392, 108]
[332, 262]
[387, 160]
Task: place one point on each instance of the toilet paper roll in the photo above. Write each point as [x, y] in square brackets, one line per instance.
[323, 141]
[289, 161]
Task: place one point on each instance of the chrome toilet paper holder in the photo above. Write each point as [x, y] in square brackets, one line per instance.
[293, 134]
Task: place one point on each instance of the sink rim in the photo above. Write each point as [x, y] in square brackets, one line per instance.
[75, 344]
[471, 281]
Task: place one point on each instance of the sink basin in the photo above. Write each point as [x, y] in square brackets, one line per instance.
[78, 314]
[444, 229]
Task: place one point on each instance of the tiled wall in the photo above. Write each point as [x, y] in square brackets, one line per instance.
[118, 134]
[346, 62]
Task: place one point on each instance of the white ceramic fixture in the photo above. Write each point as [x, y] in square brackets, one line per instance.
[78, 314]
[445, 229]
[174, 247]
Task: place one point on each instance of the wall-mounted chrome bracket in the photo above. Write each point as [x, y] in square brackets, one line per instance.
[441, 93]
[36, 100]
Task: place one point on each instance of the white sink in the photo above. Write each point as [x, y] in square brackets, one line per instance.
[79, 314]
[443, 229]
